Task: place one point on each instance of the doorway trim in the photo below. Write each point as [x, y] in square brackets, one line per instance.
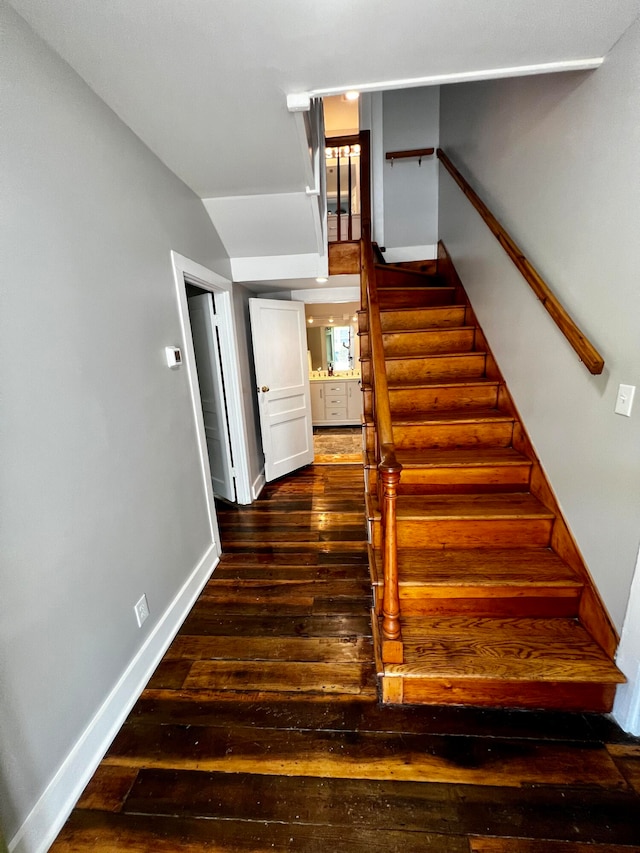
[188, 271]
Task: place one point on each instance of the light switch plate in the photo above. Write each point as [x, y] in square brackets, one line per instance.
[624, 400]
[142, 610]
[173, 356]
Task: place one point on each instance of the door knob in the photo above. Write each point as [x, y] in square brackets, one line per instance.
[265, 387]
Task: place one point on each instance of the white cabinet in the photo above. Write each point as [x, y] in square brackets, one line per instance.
[317, 401]
[336, 401]
[354, 401]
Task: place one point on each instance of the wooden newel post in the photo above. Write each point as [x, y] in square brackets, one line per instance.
[392, 639]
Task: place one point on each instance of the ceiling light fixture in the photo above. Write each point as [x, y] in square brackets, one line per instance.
[351, 95]
[342, 151]
[322, 279]
[309, 319]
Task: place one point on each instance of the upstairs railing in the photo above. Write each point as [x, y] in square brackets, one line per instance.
[343, 157]
[388, 466]
[580, 343]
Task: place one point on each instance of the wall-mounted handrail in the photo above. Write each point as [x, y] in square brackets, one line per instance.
[584, 348]
[388, 466]
[413, 154]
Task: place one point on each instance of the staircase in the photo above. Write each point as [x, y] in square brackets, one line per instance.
[496, 605]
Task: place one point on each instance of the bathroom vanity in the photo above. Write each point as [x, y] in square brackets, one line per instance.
[336, 400]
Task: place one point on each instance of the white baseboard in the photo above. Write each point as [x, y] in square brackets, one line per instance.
[258, 485]
[626, 708]
[399, 254]
[49, 814]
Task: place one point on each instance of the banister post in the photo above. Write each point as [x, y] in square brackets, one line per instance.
[391, 634]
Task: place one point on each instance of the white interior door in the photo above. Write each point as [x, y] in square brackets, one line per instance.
[206, 344]
[279, 333]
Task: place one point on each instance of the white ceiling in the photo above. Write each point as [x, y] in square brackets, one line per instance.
[203, 82]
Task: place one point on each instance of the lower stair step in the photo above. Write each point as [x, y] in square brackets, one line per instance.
[460, 469]
[457, 428]
[512, 662]
[467, 521]
[489, 582]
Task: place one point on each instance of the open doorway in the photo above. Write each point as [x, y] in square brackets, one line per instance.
[197, 281]
[205, 333]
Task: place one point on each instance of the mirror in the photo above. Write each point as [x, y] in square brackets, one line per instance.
[332, 338]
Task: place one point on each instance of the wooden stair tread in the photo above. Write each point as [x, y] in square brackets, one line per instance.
[438, 383]
[461, 457]
[486, 506]
[399, 319]
[455, 457]
[420, 309]
[443, 356]
[452, 416]
[517, 567]
[505, 649]
[427, 330]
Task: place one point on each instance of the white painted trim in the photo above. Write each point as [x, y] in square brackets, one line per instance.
[400, 254]
[229, 355]
[314, 295]
[274, 267]
[377, 167]
[305, 147]
[258, 485]
[49, 814]
[586, 64]
[626, 709]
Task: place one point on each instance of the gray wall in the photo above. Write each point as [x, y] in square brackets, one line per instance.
[102, 495]
[410, 120]
[557, 158]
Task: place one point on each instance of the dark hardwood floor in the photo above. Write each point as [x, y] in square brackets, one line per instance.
[261, 729]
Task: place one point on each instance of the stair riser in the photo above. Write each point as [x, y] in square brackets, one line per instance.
[485, 478]
[423, 343]
[426, 369]
[397, 321]
[491, 434]
[426, 343]
[416, 298]
[595, 698]
[545, 606]
[448, 435]
[442, 399]
[468, 533]
[416, 318]
[386, 277]
[481, 602]
[407, 401]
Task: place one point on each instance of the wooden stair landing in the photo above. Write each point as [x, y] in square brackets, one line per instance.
[496, 605]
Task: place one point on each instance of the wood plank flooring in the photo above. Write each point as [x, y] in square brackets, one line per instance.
[261, 728]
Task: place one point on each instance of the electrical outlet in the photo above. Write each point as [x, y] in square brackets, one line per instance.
[624, 400]
[142, 610]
